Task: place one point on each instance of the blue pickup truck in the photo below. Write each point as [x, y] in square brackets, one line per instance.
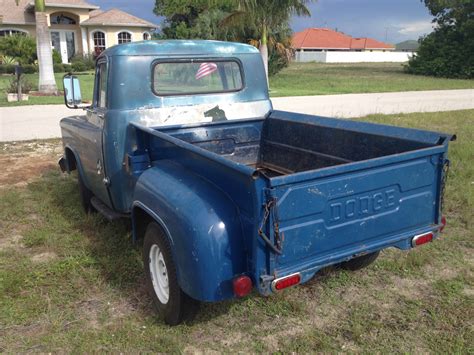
[229, 195]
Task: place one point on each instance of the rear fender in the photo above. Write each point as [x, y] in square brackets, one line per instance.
[202, 225]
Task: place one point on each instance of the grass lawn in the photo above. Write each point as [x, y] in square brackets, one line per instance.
[300, 79]
[71, 282]
[322, 79]
[87, 87]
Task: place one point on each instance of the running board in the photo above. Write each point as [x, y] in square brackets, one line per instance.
[106, 211]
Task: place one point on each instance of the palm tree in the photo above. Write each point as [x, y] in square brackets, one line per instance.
[268, 15]
[47, 82]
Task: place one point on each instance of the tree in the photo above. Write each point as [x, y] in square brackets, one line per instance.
[449, 50]
[196, 19]
[47, 82]
[264, 24]
[267, 15]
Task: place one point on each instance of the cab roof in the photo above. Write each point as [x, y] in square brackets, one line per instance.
[179, 47]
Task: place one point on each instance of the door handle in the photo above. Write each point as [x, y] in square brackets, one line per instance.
[101, 115]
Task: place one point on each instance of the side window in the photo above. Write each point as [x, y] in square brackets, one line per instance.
[101, 92]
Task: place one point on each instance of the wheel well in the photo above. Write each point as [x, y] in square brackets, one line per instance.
[71, 160]
[141, 219]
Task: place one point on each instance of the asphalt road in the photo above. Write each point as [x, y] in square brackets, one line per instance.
[42, 121]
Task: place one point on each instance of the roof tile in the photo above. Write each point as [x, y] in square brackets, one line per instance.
[325, 38]
[116, 17]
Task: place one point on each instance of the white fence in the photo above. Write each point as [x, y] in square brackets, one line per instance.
[353, 57]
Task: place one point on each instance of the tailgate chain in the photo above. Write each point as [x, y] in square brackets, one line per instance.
[270, 208]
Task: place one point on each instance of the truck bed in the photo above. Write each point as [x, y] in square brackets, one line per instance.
[282, 146]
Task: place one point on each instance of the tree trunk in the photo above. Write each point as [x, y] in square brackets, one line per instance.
[263, 48]
[47, 82]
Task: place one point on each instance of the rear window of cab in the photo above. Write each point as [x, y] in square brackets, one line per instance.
[197, 77]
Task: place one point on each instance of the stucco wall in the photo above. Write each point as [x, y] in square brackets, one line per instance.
[353, 57]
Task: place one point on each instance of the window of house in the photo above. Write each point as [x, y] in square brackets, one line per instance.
[146, 36]
[197, 77]
[99, 42]
[124, 37]
[10, 32]
[60, 19]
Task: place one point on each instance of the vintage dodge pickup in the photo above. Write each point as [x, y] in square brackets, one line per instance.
[229, 195]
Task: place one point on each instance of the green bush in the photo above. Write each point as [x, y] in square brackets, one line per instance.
[59, 68]
[26, 85]
[20, 47]
[7, 69]
[86, 62]
[57, 57]
[62, 68]
[276, 62]
[30, 68]
[79, 66]
[446, 52]
[10, 69]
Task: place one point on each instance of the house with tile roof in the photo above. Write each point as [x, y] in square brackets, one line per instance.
[325, 39]
[76, 26]
[329, 46]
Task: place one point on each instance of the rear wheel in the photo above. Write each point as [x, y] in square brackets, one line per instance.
[359, 262]
[86, 195]
[162, 283]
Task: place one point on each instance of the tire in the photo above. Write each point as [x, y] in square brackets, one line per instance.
[86, 195]
[360, 262]
[171, 303]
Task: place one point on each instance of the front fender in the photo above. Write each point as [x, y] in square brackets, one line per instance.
[203, 226]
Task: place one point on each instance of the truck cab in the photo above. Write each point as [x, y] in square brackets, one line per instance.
[230, 195]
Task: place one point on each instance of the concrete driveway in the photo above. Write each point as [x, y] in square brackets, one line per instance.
[42, 121]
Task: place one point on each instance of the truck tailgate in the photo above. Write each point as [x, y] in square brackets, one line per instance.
[341, 211]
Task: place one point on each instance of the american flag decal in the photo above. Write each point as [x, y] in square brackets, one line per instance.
[205, 69]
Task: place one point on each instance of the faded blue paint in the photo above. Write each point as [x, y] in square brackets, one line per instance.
[344, 188]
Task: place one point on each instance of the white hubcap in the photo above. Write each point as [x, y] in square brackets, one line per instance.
[159, 274]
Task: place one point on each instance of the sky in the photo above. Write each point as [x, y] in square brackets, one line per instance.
[392, 21]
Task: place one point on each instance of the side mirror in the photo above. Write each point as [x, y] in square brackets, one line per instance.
[72, 91]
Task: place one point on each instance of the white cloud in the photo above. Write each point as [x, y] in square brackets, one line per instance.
[417, 28]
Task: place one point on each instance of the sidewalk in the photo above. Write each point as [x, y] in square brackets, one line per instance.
[42, 121]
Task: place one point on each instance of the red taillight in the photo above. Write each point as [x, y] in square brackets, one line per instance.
[443, 223]
[242, 285]
[422, 239]
[284, 282]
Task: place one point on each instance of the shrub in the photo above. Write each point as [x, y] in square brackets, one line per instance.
[30, 68]
[276, 62]
[10, 69]
[59, 68]
[26, 85]
[445, 52]
[57, 57]
[86, 62]
[7, 69]
[79, 66]
[22, 48]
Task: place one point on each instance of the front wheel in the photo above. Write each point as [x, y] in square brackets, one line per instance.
[359, 262]
[162, 283]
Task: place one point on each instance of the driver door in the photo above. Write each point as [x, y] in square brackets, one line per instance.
[93, 157]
